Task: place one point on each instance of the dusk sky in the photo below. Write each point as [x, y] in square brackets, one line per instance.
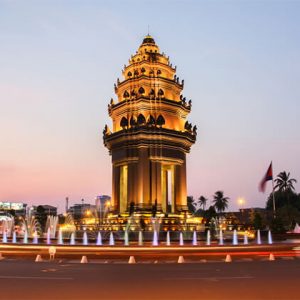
[59, 61]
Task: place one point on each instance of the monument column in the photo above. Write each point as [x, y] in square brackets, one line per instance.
[150, 136]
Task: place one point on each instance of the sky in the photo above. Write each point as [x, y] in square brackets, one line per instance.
[59, 61]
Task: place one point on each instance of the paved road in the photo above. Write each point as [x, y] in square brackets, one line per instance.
[106, 252]
[23, 279]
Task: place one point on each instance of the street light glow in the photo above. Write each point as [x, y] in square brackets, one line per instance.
[241, 201]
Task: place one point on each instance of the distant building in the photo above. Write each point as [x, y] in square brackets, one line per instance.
[243, 217]
[13, 208]
[79, 211]
[47, 210]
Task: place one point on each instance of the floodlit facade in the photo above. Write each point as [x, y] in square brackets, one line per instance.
[150, 135]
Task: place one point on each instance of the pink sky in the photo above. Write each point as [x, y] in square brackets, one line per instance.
[58, 64]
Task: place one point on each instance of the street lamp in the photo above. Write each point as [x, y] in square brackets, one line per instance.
[241, 201]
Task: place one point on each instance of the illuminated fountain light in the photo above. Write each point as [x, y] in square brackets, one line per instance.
[72, 239]
[60, 237]
[111, 239]
[99, 239]
[51, 226]
[48, 236]
[14, 239]
[4, 237]
[270, 240]
[245, 239]
[155, 238]
[195, 242]
[181, 242]
[140, 238]
[221, 240]
[126, 238]
[258, 238]
[85, 239]
[235, 238]
[168, 242]
[35, 238]
[25, 239]
[208, 238]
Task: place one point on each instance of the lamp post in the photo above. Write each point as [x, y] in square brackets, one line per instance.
[241, 201]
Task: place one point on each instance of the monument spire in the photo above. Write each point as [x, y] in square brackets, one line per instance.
[150, 136]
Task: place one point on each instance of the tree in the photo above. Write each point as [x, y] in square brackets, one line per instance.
[257, 221]
[220, 202]
[202, 202]
[210, 213]
[282, 199]
[190, 204]
[284, 183]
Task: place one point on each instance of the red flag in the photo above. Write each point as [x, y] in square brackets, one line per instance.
[268, 176]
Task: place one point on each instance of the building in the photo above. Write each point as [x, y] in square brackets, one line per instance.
[17, 209]
[150, 136]
[80, 211]
[43, 209]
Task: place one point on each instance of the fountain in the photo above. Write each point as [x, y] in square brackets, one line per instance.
[195, 242]
[99, 239]
[168, 242]
[72, 239]
[270, 240]
[245, 239]
[140, 238]
[296, 228]
[111, 239]
[48, 236]
[85, 239]
[155, 238]
[51, 226]
[60, 237]
[33, 226]
[7, 225]
[4, 237]
[14, 239]
[25, 239]
[221, 240]
[208, 238]
[181, 242]
[35, 239]
[126, 238]
[235, 238]
[258, 240]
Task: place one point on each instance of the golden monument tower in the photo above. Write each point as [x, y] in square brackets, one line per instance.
[150, 136]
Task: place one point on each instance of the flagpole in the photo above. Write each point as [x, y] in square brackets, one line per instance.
[274, 208]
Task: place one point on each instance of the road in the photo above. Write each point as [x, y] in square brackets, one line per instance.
[253, 279]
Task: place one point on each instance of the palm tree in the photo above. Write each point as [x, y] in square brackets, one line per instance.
[202, 201]
[284, 182]
[220, 202]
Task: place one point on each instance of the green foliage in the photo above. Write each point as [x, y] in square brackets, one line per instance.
[277, 225]
[284, 182]
[287, 203]
[202, 202]
[220, 202]
[257, 221]
[282, 199]
[190, 204]
[210, 213]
